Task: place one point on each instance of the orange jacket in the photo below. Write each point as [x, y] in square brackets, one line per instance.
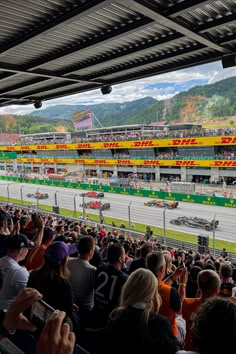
[190, 307]
[165, 309]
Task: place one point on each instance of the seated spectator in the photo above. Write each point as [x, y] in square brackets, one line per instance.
[136, 326]
[36, 257]
[214, 328]
[82, 275]
[51, 280]
[109, 282]
[226, 286]
[140, 262]
[13, 277]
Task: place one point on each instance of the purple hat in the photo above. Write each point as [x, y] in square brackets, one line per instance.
[58, 251]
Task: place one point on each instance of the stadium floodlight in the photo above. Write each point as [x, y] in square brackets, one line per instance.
[228, 61]
[37, 104]
[106, 89]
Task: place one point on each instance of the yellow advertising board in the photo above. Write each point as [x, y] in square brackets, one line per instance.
[201, 141]
[122, 162]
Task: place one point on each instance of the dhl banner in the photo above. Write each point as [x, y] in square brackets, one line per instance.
[201, 141]
[190, 163]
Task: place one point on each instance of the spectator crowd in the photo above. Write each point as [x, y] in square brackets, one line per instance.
[14, 139]
[67, 287]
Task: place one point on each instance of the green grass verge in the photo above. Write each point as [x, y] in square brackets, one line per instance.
[139, 227]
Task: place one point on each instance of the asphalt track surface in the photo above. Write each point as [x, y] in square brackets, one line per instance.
[139, 213]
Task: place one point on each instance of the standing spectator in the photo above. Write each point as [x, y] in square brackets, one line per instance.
[224, 254]
[192, 285]
[136, 326]
[171, 298]
[209, 286]
[36, 256]
[3, 233]
[109, 282]
[141, 262]
[214, 328]
[51, 280]
[226, 286]
[13, 277]
[82, 275]
[148, 234]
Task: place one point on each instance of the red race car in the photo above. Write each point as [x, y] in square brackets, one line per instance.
[92, 194]
[96, 205]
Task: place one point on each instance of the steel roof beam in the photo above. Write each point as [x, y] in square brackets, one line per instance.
[100, 40]
[182, 7]
[151, 11]
[56, 24]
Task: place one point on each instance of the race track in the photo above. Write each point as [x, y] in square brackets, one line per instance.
[139, 213]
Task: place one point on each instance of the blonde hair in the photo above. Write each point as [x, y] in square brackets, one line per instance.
[168, 260]
[141, 287]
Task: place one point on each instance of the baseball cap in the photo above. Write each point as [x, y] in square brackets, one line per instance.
[18, 241]
[58, 251]
[102, 232]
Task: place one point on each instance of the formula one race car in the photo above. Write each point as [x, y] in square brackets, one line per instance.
[162, 204]
[96, 205]
[92, 195]
[38, 195]
[195, 222]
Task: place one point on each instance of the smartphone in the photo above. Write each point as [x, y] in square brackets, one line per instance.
[40, 313]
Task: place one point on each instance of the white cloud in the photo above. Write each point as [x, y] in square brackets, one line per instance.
[138, 89]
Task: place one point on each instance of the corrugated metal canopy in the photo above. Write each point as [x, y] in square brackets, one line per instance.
[53, 48]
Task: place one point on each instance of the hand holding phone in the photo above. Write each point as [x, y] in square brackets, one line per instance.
[56, 336]
[14, 319]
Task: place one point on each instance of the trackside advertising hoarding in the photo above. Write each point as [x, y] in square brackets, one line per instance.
[180, 197]
[198, 141]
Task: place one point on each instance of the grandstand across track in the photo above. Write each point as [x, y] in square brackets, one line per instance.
[139, 212]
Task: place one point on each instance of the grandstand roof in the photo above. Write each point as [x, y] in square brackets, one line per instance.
[53, 48]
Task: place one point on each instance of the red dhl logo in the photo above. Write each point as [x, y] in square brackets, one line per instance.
[184, 142]
[61, 146]
[143, 143]
[41, 147]
[25, 147]
[228, 140]
[124, 162]
[185, 163]
[152, 162]
[79, 161]
[84, 146]
[225, 163]
[100, 161]
[111, 145]
[10, 148]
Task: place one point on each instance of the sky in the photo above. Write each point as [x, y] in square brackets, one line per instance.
[159, 87]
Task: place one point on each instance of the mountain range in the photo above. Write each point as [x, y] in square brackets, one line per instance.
[203, 103]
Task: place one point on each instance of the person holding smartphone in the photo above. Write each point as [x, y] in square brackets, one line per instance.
[56, 337]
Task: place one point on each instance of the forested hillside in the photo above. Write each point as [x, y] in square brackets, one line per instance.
[200, 103]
